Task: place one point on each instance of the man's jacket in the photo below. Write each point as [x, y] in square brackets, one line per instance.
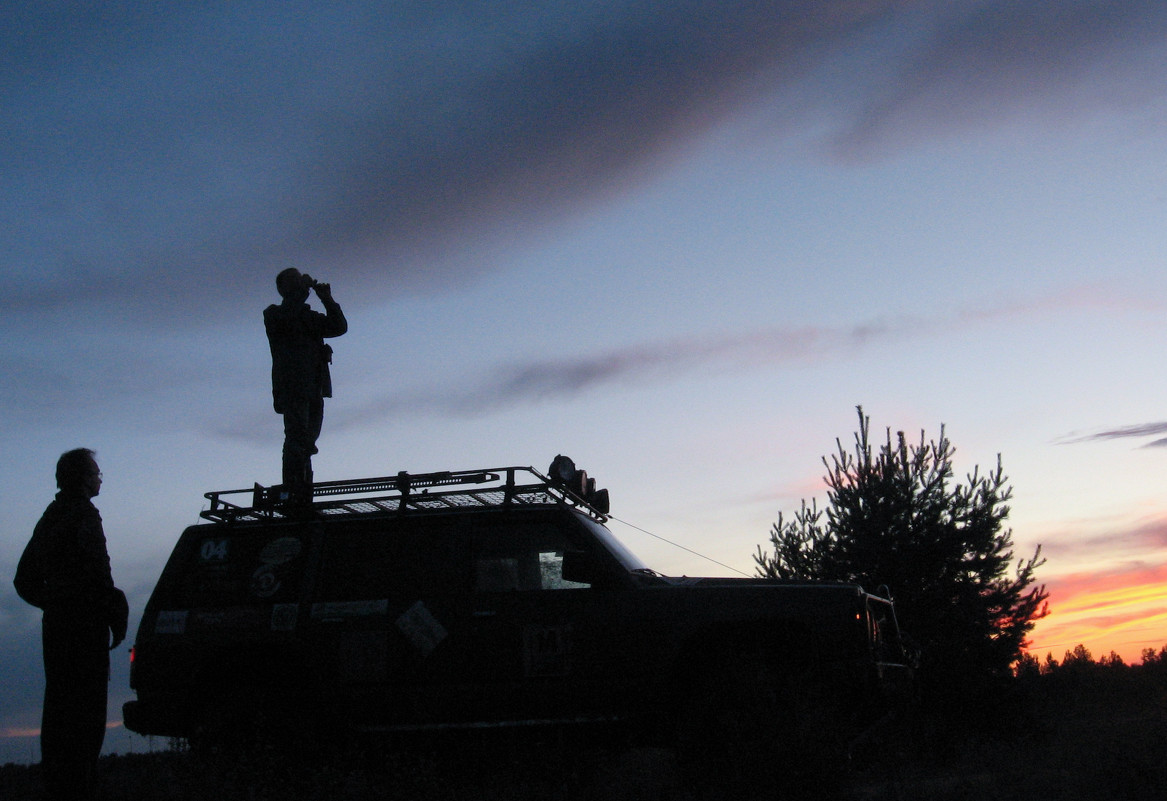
[65, 566]
[299, 357]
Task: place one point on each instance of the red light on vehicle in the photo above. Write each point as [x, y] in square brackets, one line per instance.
[133, 655]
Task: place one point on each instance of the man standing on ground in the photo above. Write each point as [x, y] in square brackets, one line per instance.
[300, 376]
[65, 572]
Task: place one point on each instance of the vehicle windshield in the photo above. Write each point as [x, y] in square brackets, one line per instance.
[630, 561]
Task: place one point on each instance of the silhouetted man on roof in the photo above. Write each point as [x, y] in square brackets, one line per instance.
[65, 572]
[300, 378]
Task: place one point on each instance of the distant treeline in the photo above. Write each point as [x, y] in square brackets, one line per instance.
[1080, 658]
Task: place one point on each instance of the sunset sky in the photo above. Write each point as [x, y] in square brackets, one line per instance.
[679, 241]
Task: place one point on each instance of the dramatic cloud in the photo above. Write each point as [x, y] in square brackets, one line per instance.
[1077, 592]
[1138, 431]
[972, 64]
[123, 371]
[1126, 552]
[147, 152]
[145, 148]
[508, 385]
[1124, 610]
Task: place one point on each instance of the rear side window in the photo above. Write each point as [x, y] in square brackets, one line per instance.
[410, 558]
[230, 568]
[404, 558]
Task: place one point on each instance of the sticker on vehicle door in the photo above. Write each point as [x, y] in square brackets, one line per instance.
[421, 628]
[214, 551]
[283, 617]
[337, 611]
[546, 650]
[171, 621]
[264, 582]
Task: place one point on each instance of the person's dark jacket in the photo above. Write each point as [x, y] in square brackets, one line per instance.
[65, 566]
[299, 356]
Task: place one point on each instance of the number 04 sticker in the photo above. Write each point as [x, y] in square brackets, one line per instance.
[214, 551]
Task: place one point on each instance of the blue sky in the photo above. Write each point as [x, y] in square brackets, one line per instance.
[677, 241]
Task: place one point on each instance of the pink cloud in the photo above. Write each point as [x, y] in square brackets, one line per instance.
[1122, 610]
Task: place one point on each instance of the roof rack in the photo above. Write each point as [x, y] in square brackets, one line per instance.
[406, 492]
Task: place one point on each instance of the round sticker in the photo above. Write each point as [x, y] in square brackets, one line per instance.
[264, 582]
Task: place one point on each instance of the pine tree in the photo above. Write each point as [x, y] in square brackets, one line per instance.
[898, 518]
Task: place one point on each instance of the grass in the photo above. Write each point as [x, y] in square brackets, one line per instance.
[1068, 736]
[1077, 734]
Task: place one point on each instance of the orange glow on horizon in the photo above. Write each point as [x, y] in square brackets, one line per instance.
[15, 731]
[1123, 611]
[18, 731]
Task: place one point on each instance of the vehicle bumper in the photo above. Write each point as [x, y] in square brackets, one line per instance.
[153, 719]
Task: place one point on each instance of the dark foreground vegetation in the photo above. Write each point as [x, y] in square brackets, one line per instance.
[1078, 729]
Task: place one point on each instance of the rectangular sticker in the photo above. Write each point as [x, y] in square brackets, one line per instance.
[341, 610]
[547, 650]
[283, 617]
[421, 628]
[171, 622]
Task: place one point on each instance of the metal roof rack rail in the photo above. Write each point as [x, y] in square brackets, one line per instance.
[405, 492]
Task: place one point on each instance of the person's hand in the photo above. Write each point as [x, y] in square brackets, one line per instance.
[324, 291]
[118, 613]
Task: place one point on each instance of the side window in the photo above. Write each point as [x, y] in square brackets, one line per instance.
[392, 559]
[522, 559]
[496, 574]
[551, 572]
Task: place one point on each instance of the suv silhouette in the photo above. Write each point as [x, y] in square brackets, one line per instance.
[482, 598]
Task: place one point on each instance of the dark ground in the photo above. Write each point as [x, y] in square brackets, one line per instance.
[1070, 736]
